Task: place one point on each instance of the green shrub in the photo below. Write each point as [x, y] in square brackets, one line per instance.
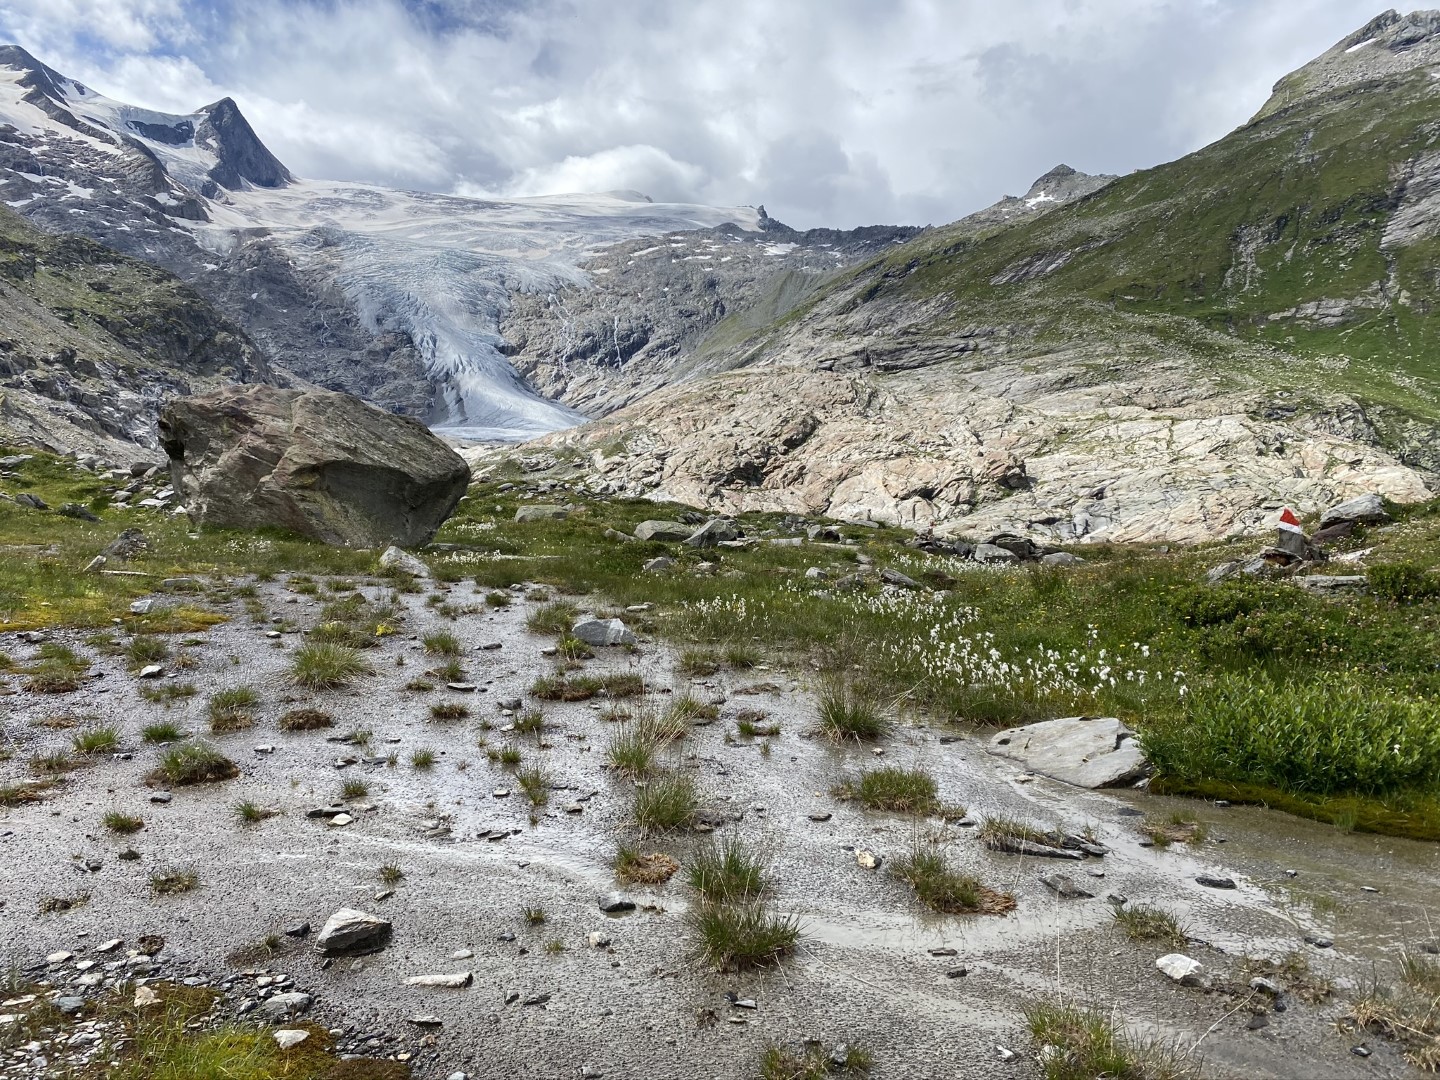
[442, 643]
[100, 740]
[1403, 583]
[1329, 736]
[939, 887]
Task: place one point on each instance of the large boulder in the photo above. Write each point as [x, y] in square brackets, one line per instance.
[1079, 750]
[319, 463]
[1365, 510]
[663, 530]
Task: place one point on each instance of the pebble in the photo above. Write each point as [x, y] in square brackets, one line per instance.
[612, 903]
[868, 859]
[161, 797]
[461, 954]
[151, 671]
[1318, 942]
[597, 940]
[426, 1021]
[943, 952]
[820, 815]
[1211, 881]
[453, 981]
[462, 687]
[286, 1038]
[1183, 969]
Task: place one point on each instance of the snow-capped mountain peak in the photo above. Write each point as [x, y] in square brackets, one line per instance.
[202, 195]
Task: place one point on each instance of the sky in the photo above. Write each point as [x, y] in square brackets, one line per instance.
[828, 112]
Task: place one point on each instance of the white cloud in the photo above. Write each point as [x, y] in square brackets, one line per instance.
[838, 112]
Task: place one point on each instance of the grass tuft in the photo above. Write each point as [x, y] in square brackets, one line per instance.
[124, 824]
[306, 719]
[941, 888]
[665, 803]
[727, 871]
[850, 711]
[326, 666]
[652, 868]
[100, 740]
[194, 763]
[233, 709]
[901, 791]
[731, 937]
[1141, 922]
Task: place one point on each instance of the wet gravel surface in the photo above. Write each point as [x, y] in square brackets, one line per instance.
[641, 1007]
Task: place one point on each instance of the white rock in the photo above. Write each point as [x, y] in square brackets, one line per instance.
[1181, 968]
[348, 927]
[453, 981]
[603, 632]
[144, 996]
[392, 558]
[1078, 750]
[286, 1038]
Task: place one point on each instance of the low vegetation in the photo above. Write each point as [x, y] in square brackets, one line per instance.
[642, 868]
[306, 719]
[665, 803]
[941, 888]
[233, 709]
[584, 687]
[899, 790]
[326, 666]
[731, 937]
[194, 763]
[813, 1061]
[1087, 1044]
[1143, 922]
[851, 711]
[727, 871]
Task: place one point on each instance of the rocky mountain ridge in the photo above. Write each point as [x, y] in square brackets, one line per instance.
[1171, 356]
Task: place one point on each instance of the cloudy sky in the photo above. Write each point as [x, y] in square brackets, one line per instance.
[830, 112]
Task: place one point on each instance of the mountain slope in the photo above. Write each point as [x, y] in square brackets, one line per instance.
[396, 296]
[1162, 358]
[91, 342]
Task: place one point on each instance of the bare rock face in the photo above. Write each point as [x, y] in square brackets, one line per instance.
[1086, 752]
[319, 463]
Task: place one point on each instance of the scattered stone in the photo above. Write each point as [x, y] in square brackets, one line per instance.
[1360, 1051]
[284, 1006]
[944, 952]
[300, 930]
[320, 463]
[820, 815]
[654, 566]
[867, 860]
[1181, 968]
[286, 1038]
[663, 530]
[1365, 510]
[894, 577]
[1212, 881]
[393, 558]
[1319, 942]
[612, 903]
[454, 981]
[34, 502]
[1265, 986]
[536, 999]
[339, 821]
[1061, 558]
[109, 946]
[349, 929]
[993, 553]
[142, 607]
[539, 512]
[161, 797]
[1257, 1022]
[145, 996]
[1090, 753]
[462, 687]
[713, 532]
[602, 632]
[1065, 886]
[426, 1021]
[957, 973]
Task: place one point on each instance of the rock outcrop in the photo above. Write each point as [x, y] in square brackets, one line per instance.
[1087, 752]
[319, 463]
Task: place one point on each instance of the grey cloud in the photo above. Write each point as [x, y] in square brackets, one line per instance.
[833, 112]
